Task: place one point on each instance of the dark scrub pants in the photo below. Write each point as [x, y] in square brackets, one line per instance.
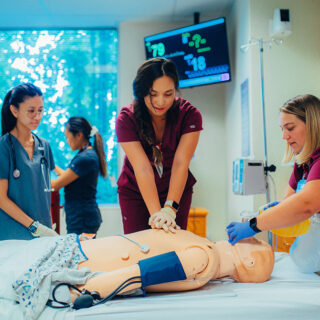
[82, 217]
[135, 215]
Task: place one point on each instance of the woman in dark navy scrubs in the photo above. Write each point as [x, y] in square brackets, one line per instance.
[159, 134]
[300, 124]
[81, 178]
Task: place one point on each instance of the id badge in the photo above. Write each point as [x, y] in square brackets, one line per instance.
[301, 184]
[159, 168]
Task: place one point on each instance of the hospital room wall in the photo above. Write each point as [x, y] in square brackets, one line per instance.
[238, 33]
[289, 69]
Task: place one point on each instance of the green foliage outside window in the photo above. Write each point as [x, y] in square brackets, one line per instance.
[77, 73]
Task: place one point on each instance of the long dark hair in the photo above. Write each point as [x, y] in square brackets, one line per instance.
[79, 124]
[147, 73]
[14, 97]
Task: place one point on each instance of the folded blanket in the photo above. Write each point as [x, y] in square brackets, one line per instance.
[57, 263]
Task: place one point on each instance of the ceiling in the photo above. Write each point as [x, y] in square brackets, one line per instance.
[104, 13]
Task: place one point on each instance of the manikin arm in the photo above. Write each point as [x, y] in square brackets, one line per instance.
[193, 260]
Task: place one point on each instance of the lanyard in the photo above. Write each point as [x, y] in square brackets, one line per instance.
[305, 168]
[301, 183]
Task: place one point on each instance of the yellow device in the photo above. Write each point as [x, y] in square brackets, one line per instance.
[292, 231]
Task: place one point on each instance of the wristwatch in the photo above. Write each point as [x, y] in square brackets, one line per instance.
[173, 204]
[34, 226]
[253, 225]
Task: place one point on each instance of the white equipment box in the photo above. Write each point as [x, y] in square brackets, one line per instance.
[248, 177]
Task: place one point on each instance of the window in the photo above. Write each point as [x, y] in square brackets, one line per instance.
[77, 73]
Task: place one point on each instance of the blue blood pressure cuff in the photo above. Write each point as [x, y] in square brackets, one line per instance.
[160, 269]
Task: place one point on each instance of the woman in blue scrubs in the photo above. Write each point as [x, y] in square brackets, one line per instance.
[26, 161]
[81, 178]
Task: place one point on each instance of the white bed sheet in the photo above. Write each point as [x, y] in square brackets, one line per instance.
[288, 295]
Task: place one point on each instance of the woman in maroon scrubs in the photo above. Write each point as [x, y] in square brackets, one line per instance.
[159, 134]
[299, 121]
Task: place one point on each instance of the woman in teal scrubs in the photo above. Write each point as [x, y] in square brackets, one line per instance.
[26, 161]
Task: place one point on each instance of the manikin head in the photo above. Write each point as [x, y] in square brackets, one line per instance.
[249, 260]
[254, 260]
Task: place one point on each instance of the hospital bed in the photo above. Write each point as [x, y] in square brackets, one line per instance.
[289, 294]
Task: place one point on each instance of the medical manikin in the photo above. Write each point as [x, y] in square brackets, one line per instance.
[185, 259]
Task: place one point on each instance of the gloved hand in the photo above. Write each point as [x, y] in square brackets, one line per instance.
[239, 230]
[172, 229]
[164, 219]
[84, 236]
[43, 231]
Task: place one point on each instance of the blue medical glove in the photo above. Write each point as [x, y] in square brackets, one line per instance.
[270, 204]
[239, 230]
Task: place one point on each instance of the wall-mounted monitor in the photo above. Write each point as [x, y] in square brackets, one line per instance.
[200, 52]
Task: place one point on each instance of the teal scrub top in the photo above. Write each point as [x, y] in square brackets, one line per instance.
[27, 192]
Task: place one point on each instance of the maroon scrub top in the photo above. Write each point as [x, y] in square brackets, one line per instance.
[188, 120]
[309, 172]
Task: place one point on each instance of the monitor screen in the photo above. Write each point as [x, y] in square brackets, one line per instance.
[200, 52]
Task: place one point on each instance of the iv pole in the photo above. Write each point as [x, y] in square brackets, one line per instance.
[272, 168]
[260, 42]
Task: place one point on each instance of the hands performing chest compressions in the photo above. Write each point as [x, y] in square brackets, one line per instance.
[299, 121]
[165, 218]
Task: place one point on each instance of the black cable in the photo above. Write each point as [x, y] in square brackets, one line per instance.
[64, 304]
[122, 286]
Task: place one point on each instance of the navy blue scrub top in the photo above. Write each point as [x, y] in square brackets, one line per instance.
[82, 212]
[27, 192]
[86, 165]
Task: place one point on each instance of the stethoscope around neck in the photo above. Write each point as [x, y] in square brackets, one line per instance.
[16, 173]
